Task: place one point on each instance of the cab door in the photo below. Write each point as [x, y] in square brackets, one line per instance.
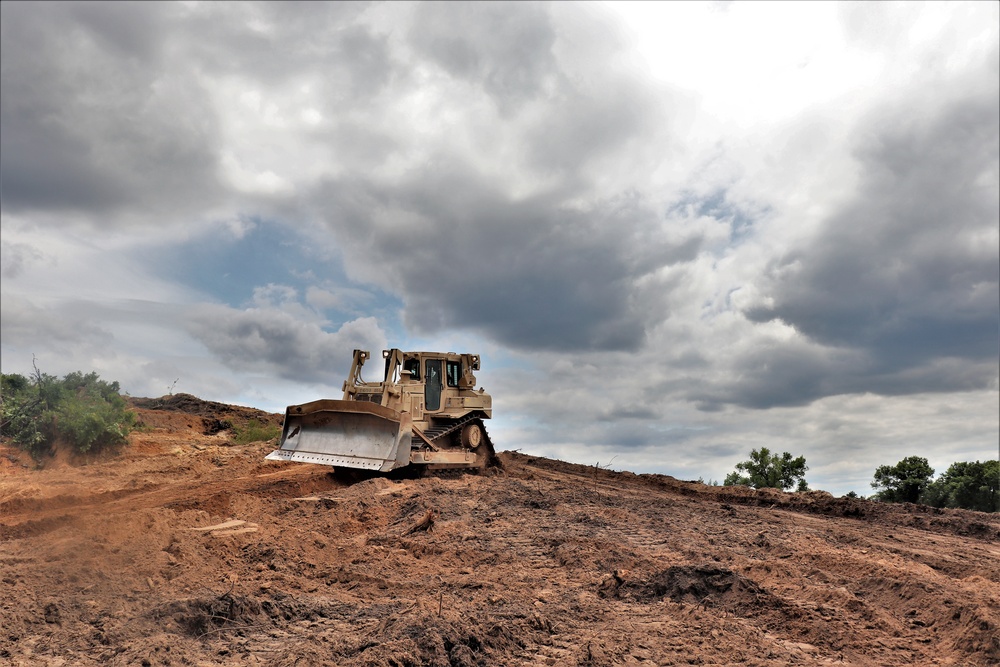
[432, 385]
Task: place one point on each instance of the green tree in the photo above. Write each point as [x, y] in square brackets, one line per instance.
[13, 383]
[903, 482]
[767, 470]
[966, 485]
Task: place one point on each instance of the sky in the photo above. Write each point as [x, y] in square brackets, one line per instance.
[675, 232]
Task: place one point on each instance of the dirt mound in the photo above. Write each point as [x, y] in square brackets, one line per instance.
[186, 548]
[202, 616]
[708, 585]
[215, 417]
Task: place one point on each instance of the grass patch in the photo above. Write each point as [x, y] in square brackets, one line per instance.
[254, 431]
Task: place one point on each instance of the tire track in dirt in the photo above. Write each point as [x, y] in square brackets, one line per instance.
[23, 517]
[837, 615]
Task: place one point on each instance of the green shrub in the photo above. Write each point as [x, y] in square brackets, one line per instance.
[254, 431]
[83, 410]
[21, 413]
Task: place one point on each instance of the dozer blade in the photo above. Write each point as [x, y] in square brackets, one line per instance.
[349, 434]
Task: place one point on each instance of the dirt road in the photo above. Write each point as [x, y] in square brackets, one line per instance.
[189, 550]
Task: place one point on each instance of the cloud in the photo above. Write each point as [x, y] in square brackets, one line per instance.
[277, 342]
[905, 275]
[674, 231]
[30, 326]
[533, 274]
[94, 119]
[16, 256]
[503, 49]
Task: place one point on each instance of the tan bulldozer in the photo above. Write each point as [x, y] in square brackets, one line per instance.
[425, 411]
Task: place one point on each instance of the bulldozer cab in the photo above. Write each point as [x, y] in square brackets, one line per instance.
[441, 375]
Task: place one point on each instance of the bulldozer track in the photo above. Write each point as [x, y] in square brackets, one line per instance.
[434, 438]
[438, 432]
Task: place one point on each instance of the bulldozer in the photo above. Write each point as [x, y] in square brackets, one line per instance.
[424, 411]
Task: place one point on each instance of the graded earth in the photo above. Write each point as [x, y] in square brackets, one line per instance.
[187, 549]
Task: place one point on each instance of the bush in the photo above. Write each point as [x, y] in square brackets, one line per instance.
[21, 413]
[83, 410]
[254, 431]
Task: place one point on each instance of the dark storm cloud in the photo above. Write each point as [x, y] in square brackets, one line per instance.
[533, 272]
[788, 375]
[105, 108]
[92, 120]
[626, 431]
[583, 128]
[904, 278]
[782, 375]
[504, 48]
[128, 30]
[107, 112]
[628, 412]
[530, 273]
[275, 341]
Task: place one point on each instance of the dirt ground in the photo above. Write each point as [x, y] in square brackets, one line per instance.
[186, 549]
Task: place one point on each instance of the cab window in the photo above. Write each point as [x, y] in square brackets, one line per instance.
[412, 365]
[454, 373]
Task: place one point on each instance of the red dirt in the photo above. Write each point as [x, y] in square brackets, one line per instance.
[123, 561]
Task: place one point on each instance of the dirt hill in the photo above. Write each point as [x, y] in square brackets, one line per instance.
[186, 549]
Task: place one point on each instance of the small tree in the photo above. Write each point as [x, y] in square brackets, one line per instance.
[21, 411]
[767, 470]
[903, 482]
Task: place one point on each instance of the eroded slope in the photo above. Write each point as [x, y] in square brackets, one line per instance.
[189, 550]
